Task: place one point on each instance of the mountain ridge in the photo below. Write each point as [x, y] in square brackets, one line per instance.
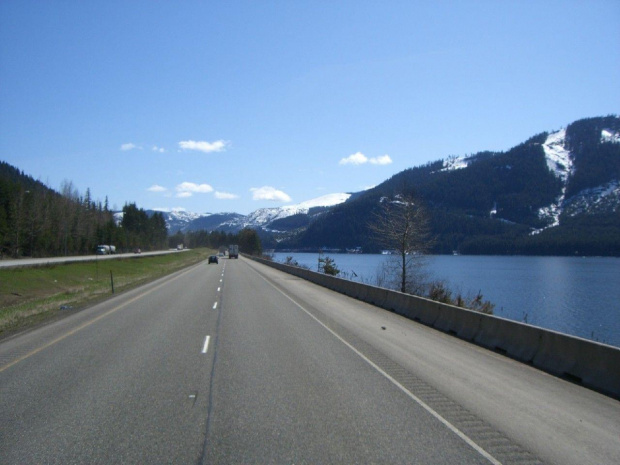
[556, 193]
[521, 201]
[183, 221]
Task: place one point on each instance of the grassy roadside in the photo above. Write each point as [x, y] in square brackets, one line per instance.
[33, 295]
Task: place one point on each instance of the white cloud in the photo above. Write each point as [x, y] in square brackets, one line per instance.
[129, 146]
[360, 159]
[168, 209]
[356, 159]
[203, 146]
[157, 188]
[225, 196]
[158, 149]
[382, 160]
[195, 188]
[269, 193]
[187, 189]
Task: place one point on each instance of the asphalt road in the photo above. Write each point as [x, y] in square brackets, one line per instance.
[12, 263]
[239, 363]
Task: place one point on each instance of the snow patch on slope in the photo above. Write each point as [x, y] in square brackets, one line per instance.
[560, 163]
[118, 218]
[558, 158]
[328, 200]
[455, 163]
[601, 199]
[607, 135]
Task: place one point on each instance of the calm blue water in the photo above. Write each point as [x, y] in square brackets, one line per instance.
[573, 295]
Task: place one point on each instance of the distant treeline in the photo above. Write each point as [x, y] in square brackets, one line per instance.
[247, 239]
[36, 221]
[212, 240]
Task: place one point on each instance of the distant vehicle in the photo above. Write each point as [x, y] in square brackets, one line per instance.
[233, 251]
[180, 247]
[137, 250]
[213, 259]
[105, 249]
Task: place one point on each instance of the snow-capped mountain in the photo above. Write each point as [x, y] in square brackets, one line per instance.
[180, 220]
[264, 216]
[556, 193]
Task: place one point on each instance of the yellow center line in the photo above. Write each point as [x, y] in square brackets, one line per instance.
[87, 324]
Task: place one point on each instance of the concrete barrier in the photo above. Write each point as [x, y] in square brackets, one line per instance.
[458, 321]
[589, 363]
[517, 340]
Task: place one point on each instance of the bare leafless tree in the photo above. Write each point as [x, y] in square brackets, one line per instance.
[401, 225]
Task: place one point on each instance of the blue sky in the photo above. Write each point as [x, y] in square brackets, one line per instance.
[234, 106]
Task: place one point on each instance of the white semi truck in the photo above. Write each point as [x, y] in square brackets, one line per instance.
[105, 249]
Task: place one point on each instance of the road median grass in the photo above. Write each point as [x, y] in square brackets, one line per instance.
[33, 295]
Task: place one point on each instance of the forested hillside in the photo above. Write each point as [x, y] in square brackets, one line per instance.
[528, 200]
[556, 193]
[36, 221]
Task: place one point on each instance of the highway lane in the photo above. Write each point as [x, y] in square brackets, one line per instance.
[513, 411]
[122, 382]
[291, 373]
[129, 381]
[286, 390]
[12, 263]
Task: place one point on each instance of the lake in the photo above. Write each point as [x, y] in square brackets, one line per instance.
[573, 295]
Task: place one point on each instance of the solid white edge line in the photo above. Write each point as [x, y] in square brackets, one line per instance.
[419, 401]
[205, 347]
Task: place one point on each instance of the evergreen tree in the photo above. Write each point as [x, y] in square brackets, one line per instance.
[249, 242]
